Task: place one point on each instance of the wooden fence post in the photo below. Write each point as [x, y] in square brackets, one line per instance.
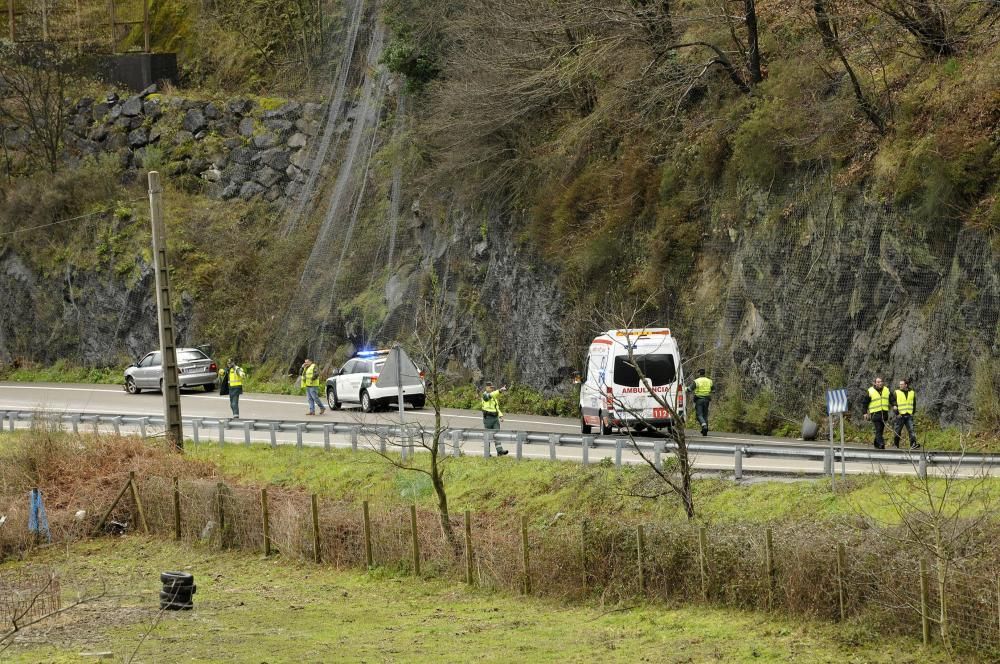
[138, 501]
[177, 510]
[369, 558]
[640, 549]
[416, 540]
[703, 560]
[524, 555]
[221, 508]
[925, 617]
[266, 518]
[841, 573]
[114, 503]
[769, 571]
[315, 523]
[468, 547]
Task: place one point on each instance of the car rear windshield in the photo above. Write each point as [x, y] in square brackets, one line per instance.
[659, 369]
[191, 356]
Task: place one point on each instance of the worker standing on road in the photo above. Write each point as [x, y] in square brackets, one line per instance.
[876, 404]
[492, 415]
[310, 380]
[904, 404]
[235, 375]
[702, 387]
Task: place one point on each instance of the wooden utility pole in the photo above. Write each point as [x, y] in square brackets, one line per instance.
[168, 350]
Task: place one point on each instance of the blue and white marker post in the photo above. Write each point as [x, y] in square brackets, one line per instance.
[836, 404]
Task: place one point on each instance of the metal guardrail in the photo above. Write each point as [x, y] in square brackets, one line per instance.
[453, 440]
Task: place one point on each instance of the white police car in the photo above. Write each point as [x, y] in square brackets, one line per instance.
[357, 382]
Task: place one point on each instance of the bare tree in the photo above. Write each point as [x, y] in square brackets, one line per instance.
[433, 344]
[939, 27]
[676, 481]
[35, 79]
[25, 615]
[827, 24]
[940, 516]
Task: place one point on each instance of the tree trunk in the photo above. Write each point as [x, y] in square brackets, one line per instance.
[825, 24]
[753, 45]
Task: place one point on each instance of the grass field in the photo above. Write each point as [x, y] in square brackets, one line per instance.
[541, 488]
[250, 609]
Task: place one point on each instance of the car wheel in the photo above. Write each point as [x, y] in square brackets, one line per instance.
[331, 398]
[584, 427]
[366, 402]
[161, 385]
[209, 387]
[418, 403]
[131, 387]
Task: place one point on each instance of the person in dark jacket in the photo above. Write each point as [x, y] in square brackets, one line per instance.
[876, 404]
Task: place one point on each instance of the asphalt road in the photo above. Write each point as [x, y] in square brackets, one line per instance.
[75, 398]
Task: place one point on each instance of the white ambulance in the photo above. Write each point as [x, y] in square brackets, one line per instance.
[612, 393]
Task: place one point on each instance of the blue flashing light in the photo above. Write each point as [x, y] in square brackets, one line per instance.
[369, 354]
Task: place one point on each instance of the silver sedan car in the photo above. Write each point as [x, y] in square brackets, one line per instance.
[195, 369]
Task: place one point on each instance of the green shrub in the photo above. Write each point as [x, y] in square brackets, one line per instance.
[986, 394]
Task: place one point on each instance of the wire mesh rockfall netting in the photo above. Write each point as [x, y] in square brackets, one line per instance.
[817, 301]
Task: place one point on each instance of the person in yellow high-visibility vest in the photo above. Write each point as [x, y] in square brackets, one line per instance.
[876, 404]
[702, 387]
[904, 404]
[492, 415]
[233, 376]
[310, 381]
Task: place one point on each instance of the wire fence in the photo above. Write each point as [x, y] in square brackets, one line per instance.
[832, 572]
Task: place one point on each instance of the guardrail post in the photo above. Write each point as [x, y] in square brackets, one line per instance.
[222, 433]
[274, 435]
[299, 428]
[143, 423]
[195, 425]
[588, 441]
[97, 421]
[922, 465]
[738, 464]
[381, 433]
[521, 438]
[116, 422]
[10, 419]
[326, 437]
[553, 441]
[456, 442]
[487, 442]
[76, 423]
[246, 433]
[619, 444]
[442, 444]
[355, 432]
[827, 462]
[3, 416]
[658, 454]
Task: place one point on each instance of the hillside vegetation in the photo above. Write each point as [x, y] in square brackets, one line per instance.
[807, 191]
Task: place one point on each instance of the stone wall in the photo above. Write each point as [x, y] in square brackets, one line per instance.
[245, 150]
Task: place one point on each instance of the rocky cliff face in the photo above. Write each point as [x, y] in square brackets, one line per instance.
[841, 290]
